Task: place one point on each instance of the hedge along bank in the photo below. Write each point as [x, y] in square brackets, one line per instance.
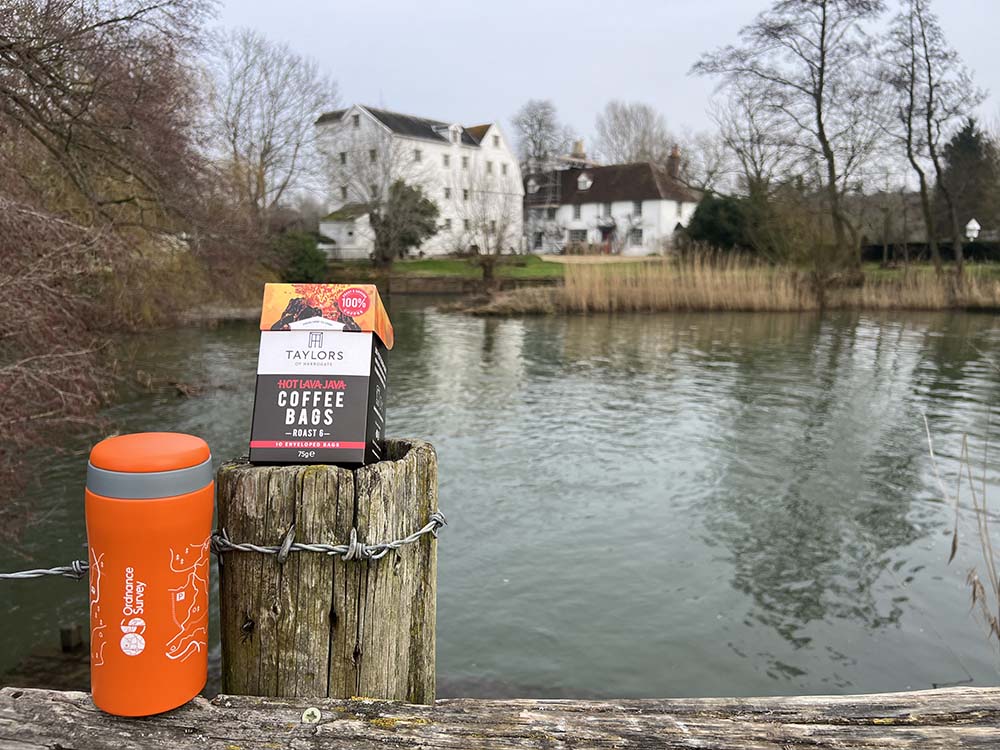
[321, 375]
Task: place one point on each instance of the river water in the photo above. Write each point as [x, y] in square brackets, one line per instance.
[648, 505]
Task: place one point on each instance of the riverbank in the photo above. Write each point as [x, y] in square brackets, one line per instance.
[508, 267]
[711, 284]
[423, 277]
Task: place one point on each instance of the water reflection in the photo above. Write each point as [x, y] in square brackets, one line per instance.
[648, 505]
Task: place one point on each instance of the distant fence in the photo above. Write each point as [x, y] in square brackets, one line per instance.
[979, 252]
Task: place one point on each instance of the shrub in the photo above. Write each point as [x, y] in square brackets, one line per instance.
[721, 222]
[299, 259]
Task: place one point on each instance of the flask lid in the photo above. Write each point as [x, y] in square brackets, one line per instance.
[149, 465]
[149, 451]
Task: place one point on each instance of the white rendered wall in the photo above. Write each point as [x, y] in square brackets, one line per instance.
[658, 221]
[493, 194]
[353, 239]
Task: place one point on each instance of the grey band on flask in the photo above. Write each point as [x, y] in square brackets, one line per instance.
[146, 485]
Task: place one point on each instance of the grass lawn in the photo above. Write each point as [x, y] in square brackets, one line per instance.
[509, 267]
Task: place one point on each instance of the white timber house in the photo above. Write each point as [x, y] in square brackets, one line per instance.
[627, 209]
[470, 173]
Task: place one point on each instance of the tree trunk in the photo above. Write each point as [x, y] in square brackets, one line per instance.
[318, 625]
[925, 207]
[488, 263]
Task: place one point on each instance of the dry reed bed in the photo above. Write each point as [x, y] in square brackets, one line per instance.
[703, 284]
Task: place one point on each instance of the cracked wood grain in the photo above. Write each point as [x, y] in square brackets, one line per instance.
[319, 626]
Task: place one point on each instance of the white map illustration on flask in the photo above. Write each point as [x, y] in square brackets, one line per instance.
[188, 601]
[97, 625]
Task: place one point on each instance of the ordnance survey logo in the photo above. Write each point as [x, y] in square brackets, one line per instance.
[132, 642]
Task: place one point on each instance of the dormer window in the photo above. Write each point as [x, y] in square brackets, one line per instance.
[456, 134]
[532, 185]
[583, 182]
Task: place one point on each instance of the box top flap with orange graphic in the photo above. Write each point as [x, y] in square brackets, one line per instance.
[342, 307]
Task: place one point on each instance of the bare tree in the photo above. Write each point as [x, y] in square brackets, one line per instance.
[752, 133]
[53, 376]
[265, 102]
[629, 132]
[812, 55]
[933, 91]
[705, 161]
[490, 216]
[95, 104]
[540, 135]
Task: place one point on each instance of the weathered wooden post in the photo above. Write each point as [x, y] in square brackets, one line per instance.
[320, 625]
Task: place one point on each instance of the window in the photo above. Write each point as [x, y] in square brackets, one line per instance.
[447, 223]
[503, 169]
[446, 159]
[343, 192]
[456, 136]
[493, 225]
[372, 155]
[552, 214]
[576, 211]
[465, 194]
[417, 154]
[465, 162]
[343, 157]
[637, 208]
[538, 241]
[607, 210]
[583, 182]
[678, 209]
[532, 185]
[356, 120]
[577, 235]
[447, 194]
[496, 141]
[467, 224]
[489, 167]
[635, 238]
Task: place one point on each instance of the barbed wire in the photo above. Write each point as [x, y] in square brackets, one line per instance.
[76, 569]
[221, 543]
[353, 550]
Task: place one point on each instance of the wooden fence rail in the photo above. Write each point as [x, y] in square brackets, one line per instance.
[946, 719]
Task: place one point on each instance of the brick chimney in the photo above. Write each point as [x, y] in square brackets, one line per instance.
[674, 162]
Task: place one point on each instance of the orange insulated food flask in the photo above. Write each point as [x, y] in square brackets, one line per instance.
[149, 518]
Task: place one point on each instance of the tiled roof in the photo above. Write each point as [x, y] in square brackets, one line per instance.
[407, 125]
[617, 182]
[330, 116]
[478, 131]
[347, 212]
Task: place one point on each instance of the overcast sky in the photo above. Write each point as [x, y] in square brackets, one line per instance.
[473, 62]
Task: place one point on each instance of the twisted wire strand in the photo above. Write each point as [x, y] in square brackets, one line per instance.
[221, 543]
[76, 569]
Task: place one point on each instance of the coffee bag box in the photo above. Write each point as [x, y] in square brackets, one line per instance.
[321, 375]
